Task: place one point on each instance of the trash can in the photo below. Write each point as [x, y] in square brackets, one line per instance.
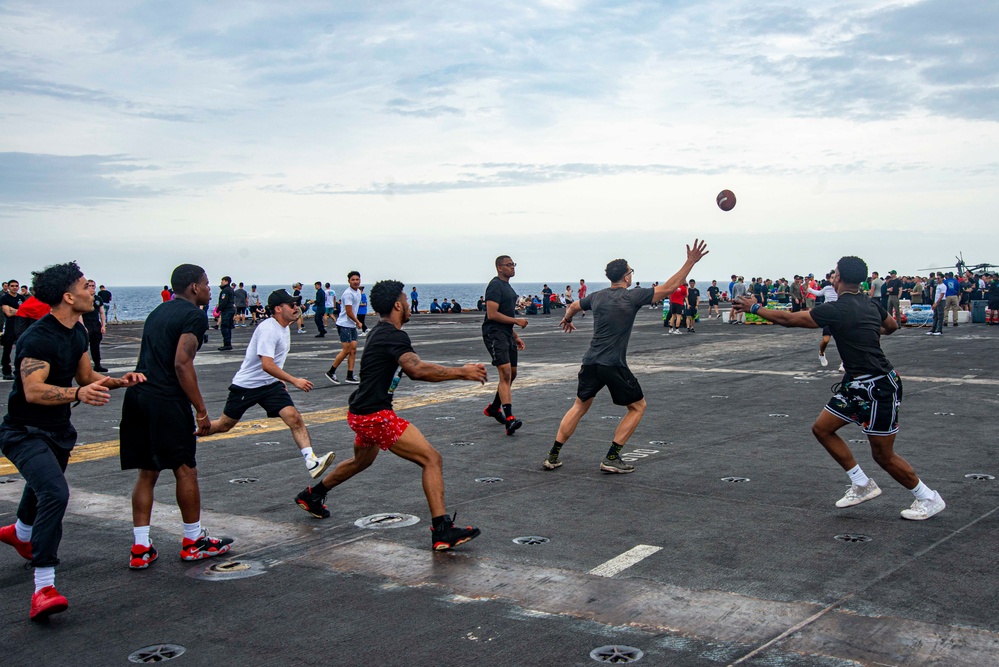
[978, 308]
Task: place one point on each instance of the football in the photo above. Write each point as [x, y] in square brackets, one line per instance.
[726, 200]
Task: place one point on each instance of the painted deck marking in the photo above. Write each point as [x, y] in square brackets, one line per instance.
[625, 560]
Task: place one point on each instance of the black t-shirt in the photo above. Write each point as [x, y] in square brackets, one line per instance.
[713, 293]
[379, 366]
[160, 335]
[105, 296]
[92, 320]
[855, 321]
[47, 340]
[225, 299]
[10, 301]
[500, 291]
[693, 296]
[893, 287]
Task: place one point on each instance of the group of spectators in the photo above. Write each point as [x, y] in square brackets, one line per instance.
[19, 309]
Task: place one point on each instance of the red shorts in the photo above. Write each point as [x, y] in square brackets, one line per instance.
[381, 428]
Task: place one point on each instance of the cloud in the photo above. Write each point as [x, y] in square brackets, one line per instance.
[39, 179]
[936, 56]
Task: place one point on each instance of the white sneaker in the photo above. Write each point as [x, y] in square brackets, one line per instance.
[318, 465]
[300, 331]
[841, 369]
[859, 494]
[924, 509]
[823, 360]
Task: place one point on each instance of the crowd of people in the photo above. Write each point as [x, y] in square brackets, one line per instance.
[164, 411]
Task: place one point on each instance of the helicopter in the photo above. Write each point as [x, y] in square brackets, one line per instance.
[961, 267]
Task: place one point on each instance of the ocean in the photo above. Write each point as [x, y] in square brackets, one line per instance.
[134, 303]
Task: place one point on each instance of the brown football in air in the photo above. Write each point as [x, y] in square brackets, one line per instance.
[726, 200]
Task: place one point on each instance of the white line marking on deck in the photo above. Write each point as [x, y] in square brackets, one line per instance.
[625, 560]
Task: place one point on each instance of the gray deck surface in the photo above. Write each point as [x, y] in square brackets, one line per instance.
[748, 572]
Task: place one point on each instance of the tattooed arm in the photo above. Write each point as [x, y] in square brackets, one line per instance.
[34, 374]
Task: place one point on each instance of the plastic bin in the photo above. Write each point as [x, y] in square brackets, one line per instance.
[978, 308]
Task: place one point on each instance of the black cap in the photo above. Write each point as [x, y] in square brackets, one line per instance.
[280, 296]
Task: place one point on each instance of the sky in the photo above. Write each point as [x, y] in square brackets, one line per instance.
[281, 141]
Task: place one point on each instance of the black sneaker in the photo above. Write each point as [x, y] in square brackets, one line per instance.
[100, 369]
[331, 377]
[312, 503]
[449, 536]
[512, 424]
[8, 376]
[225, 348]
[495, 413]
[351, 379]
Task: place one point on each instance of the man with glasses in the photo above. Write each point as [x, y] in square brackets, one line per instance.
[604, 364]
[502, 341]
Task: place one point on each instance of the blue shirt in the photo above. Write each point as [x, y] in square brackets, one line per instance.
[413, 296]
[953, 286]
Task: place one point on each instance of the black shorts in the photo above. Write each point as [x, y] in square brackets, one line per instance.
[156, 433]
[872, 403]
[826, 331]
[622, 383]
[676, 308]
[690, 312]
[273, 398]
[712, 302]
[502, 347]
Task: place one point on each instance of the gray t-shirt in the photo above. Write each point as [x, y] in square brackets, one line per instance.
[239, 298]
[614, 310]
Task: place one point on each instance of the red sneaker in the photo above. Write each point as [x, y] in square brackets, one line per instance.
[46, 602]
[204, 547]
[8, 535]
[142, 557]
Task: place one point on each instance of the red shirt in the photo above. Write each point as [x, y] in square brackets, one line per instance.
[33, 309]
[679, 295]
[165, 295]
[582, 291]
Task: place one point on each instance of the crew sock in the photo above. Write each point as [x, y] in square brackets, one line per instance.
[307, 453]
[556, 448]
[508, 410]
[140, 535]
[44, 576]
[319, 488]
[857, 476]
[923, 492]
[192, 530]
[332, 370]
[613, 452]
[439, 521]
[495, 405]
[23, 531]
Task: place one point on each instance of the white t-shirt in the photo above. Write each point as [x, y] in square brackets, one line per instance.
[941, 294]
[270, 339]
[330, 298]
[350, 297]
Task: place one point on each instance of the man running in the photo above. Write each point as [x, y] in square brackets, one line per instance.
[870, 392]
[605, 364]
[502, 341]
[713, 300]
[346, 326]
[261, 381]
[828, 293]
[158, 431]
[388, 354]
[37, 435]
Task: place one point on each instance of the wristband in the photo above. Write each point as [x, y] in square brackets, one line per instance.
[755, 308]
[77, 397]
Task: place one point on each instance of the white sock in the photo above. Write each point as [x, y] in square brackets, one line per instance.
[857, 476]
[23, 531]
[192, 531]
[140, 535]
[44, 576]
[307, 453]
[923, 492]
